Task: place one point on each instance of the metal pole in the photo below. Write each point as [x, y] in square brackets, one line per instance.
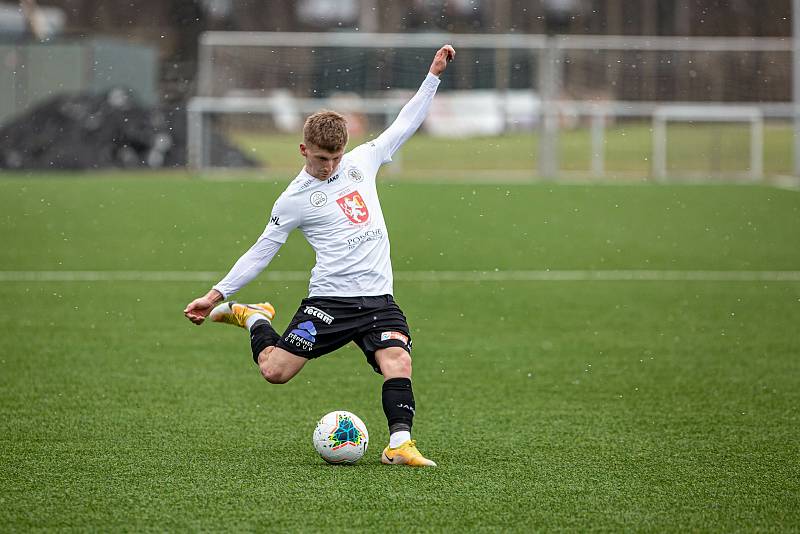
[549, 81]
[796, 82]
[194, 138]
[757, 147]
[659, 147]
[368, 16]
[598, 142]
[502, 60]
[204, 68]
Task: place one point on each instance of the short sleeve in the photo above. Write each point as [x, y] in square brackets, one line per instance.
[285, 217]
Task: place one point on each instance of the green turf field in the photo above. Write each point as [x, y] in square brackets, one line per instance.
[662, 406]
[691, 149]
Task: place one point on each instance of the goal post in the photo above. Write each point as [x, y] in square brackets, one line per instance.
[663, 115]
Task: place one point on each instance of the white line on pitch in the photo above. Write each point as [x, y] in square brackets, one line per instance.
[415, 276]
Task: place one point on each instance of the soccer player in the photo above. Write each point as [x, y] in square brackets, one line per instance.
[334, 202]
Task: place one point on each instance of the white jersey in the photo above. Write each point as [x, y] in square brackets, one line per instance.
[342, 220]
[341, 217]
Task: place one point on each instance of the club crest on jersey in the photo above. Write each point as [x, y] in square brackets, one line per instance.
[355, 175]
[354, 207]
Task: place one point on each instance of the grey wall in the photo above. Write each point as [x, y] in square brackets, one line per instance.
[30, 73]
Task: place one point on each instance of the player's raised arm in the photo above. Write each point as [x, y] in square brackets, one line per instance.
[414, 112]
[443, 56]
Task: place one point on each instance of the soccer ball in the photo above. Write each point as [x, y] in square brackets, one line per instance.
[341, 438]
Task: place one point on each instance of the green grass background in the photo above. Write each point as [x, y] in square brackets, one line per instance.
[713, 149]
[549, 406]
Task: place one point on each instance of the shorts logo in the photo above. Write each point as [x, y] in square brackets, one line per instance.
[319, 314]
[355, 175]
[354, 207]
[394, 335]
[303, 336]
[318, 199]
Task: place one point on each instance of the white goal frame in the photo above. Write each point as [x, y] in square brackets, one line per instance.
[712, 113]
[550, 50]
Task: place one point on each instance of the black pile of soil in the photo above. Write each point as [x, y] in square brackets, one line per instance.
[105, 130]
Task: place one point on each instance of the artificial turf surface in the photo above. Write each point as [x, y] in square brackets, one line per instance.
[716, 149]
[549, 405]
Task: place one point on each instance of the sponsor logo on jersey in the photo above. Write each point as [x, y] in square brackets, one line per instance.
[369, 235]
[354, 207]
[303, 336]
[275, 221]
[319, 314]
[394, 335]
[333, 178]
[355, 175]
[308, 183]
[343, 191]
[318, 199]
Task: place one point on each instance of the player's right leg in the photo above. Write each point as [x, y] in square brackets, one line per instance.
[386, 343]
[398, 405]
[277, 366]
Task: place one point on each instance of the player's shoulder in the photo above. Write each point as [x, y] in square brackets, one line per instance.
[302, 182]
[363, 148]
[290, 196]
[369, 155]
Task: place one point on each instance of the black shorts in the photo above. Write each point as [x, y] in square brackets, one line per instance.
[324, 324]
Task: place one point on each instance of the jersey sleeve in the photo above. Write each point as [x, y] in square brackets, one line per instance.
[248, 266]
[407, 122]
[285, 217]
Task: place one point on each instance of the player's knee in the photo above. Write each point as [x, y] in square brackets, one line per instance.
[274, 375]
[396, 362]
[264, 354]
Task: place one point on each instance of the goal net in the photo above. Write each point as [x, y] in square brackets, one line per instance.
[509, 107]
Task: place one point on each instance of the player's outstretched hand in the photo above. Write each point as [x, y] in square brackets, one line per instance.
[198, 309]
[444, 55]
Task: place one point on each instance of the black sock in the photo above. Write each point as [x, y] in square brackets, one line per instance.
[262, 335]
[398, 404]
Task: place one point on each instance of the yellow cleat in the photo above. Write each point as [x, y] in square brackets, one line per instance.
[405, 454]
[237, 314]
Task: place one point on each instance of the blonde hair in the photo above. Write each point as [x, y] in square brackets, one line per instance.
[327, 130]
